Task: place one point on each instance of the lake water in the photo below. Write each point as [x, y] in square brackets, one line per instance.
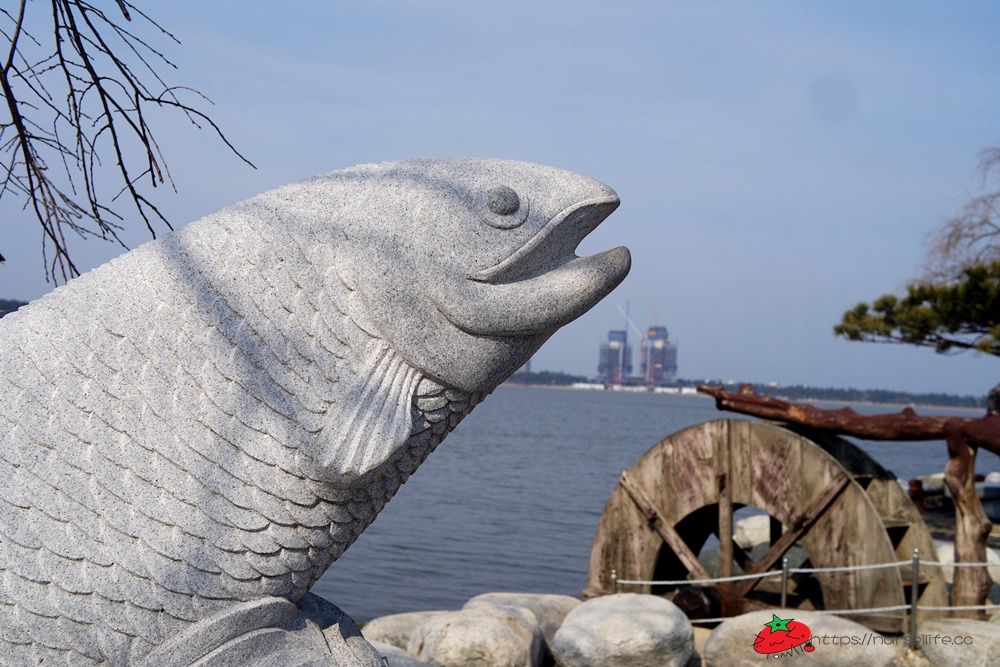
[511, 499]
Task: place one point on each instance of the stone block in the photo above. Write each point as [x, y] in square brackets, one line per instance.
[489, 636]
[955, 642]
[396, 629]
[624, 630]
[835, 641]
[549, 609]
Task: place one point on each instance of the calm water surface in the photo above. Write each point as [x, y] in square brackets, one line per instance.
[511, 499]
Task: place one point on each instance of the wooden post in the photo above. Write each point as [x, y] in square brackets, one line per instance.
[972, 527]
[784, 582]
[914, 596]
[725, 508]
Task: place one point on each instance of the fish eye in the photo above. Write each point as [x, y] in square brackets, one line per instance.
[504, 209]
[503, 200]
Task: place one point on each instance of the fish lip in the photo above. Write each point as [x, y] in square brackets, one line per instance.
[519, 264]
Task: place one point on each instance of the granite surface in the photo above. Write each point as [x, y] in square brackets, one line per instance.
[191, 433]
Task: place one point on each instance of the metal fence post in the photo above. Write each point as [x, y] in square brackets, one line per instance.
[784, 582]
[914, 590]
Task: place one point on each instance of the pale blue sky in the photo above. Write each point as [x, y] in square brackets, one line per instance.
[777, 161]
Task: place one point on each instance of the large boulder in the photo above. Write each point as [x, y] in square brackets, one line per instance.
[956, 642]
[550, 610]
[752, 530]
[490, 635]
[624, 630]
[835, 641]
[395, 629]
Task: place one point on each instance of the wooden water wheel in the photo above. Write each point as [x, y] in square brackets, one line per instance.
[830, 505]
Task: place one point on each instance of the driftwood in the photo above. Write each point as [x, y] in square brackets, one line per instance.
[963, 435]
[904, 425]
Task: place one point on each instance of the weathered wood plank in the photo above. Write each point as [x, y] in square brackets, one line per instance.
[725, 528]
[797, 526]
[666, 530]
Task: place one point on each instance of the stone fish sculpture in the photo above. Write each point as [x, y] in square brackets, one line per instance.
[194, 431]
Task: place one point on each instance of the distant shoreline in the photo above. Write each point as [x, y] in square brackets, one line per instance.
[826, 401]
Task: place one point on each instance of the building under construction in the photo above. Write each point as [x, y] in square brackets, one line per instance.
[657, 362]
[615, 363]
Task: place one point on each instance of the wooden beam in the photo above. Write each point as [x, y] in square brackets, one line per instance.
[725, 522]
[658, 523]
[798, 526]
[904, 425]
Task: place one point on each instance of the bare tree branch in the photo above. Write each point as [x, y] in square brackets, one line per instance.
[973, 236]
[73, 97]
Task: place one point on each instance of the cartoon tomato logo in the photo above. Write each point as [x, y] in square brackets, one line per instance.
[782, 635]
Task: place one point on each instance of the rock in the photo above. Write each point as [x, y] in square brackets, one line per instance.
[491, 636]
[946, 554]
[550, 610]
[752, 530]
[959, 642]
[395, 629]
[624, 630]
[835, 641]
[397, 657]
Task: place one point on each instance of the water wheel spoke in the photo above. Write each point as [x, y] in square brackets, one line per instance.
[660, 525]
[798, 527]
[725, 531]
[741, 557]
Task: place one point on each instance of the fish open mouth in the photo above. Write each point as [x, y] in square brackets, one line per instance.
[543, 284]
[555, 244]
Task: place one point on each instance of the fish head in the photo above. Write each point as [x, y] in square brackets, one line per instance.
[467, 266]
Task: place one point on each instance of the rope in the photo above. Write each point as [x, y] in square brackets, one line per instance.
[849, 568]
[845, 612]
[707, 620]
[809, 570]
[682, 582]
[870, 610]
[968, 607]
[792, 570]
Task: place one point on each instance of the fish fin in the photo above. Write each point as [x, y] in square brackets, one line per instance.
[374, 421]
[265, 631]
